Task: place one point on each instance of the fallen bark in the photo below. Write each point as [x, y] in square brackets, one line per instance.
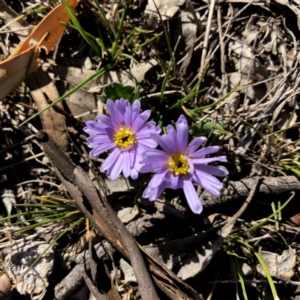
[235, 190]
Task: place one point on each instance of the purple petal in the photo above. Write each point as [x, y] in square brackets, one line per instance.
[136, 107]
[161, 141]
[139, 158]
[134, 174]
[157, 179]
[176, 182]
[153, 128]
[110, 160]
[101, 148]
[153, 194]
[105, 120]
[116, 116]
[150, 167]
[195, 144]
[132, 156]
[171, 139]
[98, 139]
[127, 116]
[100, 131]
[205, 151]
[212, 170]
[191, 165]
[140, 120]
[182, 133]
[155, 155]
[143, 133]
[116, 168]
[192, 197]
[121, 105]
[147, 143]
[209, 178]
[153, 160]
[150, 194]
[95, 128]
[202, 161]
[208, 182]
[126, 164]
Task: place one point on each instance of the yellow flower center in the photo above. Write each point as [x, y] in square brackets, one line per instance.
[178, 164]
[124, 137]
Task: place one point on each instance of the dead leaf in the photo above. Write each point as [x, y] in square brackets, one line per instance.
[278, 265]
[167, 9]
[295, 219]
[83, 100]
[127, 271]
[127, 214]
[52, 26]
[14, 70]
[42, 90]
[24, 59]
[138, 71]
[188, 27]
[74, 76]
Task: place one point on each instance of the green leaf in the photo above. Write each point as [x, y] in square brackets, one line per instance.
[294, 169]
[206, 127]
[116, 90]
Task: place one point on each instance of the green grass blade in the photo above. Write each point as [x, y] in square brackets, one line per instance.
[268, 218]
[163, 87]
[30, 227]
[102, 13]
[217, 102]
[193, 92]
[113, 50]
[168, 39]
[77, 25]
[45, 217]
[76, 88]
[290, 168]
[240, 276]
[147, 42]
[26, 213]
[186, 98]
[264, 266]
[161, 61]
[128, 56]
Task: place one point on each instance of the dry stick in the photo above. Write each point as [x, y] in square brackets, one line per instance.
[99, 270]
[146, 287]
[235, 190]
[222, 50]
[100, 213]
[171, 281]
[206, 38]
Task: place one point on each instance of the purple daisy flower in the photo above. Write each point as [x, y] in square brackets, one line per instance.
[178, 164]
[126, 134]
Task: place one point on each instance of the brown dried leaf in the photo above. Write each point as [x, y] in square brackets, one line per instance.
[24, 59]
[43, 89]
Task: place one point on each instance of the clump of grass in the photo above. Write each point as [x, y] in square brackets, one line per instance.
[52, 210]
[238, 239]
